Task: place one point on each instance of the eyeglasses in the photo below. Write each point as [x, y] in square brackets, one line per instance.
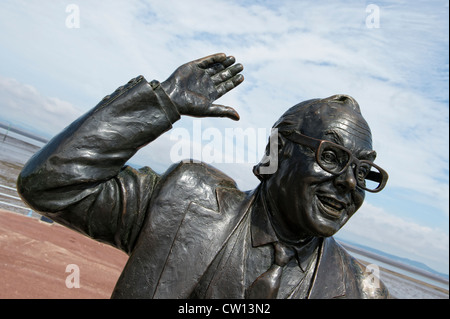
[335, 159]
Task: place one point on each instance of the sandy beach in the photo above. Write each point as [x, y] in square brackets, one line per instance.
[35, 255]
[35, 259]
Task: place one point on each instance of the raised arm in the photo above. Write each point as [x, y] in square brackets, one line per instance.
[78, 179]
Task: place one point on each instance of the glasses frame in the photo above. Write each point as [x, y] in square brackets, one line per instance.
[318, 144]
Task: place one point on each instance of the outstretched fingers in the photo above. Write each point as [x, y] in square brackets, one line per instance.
[228, 85]
[210, 60]
[217, 67]
[222, 70]
[226, 74]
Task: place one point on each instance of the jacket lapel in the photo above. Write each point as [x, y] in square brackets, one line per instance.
[330, 277]
[201, 235]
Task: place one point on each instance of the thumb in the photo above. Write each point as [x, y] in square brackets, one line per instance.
[217, 110]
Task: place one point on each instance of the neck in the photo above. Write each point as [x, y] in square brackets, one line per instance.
[283, 232]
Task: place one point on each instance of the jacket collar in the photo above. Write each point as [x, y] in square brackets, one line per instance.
[262, 233]
[331, 274]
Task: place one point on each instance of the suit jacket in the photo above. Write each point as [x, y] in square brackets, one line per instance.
[171, 225]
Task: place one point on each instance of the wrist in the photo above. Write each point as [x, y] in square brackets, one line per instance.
[165, 101]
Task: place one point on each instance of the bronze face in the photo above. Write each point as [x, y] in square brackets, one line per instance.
[309, 196]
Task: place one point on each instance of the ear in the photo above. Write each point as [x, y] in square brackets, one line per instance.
[264, 162]
[268, 165]
[281, 145]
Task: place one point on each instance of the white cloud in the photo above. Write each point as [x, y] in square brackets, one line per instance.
[27, 106]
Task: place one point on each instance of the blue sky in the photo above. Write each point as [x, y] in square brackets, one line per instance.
[292, 51]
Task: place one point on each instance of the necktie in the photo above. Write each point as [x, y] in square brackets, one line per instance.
[266, 286]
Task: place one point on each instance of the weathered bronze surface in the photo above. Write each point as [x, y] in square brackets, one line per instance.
[190, 233]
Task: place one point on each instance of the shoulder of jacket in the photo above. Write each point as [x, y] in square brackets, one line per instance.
[198, 172]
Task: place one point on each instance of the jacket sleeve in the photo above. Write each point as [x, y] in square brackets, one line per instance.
[79, 179]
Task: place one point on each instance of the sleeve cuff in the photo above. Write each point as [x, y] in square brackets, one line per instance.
[167, 105]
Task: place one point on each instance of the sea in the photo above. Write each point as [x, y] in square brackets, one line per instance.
[403, 281]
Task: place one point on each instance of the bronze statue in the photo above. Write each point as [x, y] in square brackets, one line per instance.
[190, 233]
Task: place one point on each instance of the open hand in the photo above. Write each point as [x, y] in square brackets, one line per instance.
[194, 86]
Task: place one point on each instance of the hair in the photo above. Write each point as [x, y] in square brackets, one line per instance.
[299, 117]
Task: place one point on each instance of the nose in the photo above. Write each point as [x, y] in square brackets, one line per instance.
[346, 181]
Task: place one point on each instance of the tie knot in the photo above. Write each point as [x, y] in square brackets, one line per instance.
[283, 254]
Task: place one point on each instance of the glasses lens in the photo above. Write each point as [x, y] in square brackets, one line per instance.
[332, 158]
[370, 177]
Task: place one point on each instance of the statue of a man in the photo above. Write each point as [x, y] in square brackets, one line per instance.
[190, 233]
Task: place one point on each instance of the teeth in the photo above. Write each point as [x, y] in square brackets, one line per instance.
[331, 202]
[330, 206]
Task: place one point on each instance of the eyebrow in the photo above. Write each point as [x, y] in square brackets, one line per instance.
[336, 138]
[368, 155]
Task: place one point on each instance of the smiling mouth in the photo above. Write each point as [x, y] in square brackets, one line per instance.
[331, 206]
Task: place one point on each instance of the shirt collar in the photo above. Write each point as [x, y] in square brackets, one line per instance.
[262, 233]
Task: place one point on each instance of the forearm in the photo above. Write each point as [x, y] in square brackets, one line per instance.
[78, 178]
[96, 146]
